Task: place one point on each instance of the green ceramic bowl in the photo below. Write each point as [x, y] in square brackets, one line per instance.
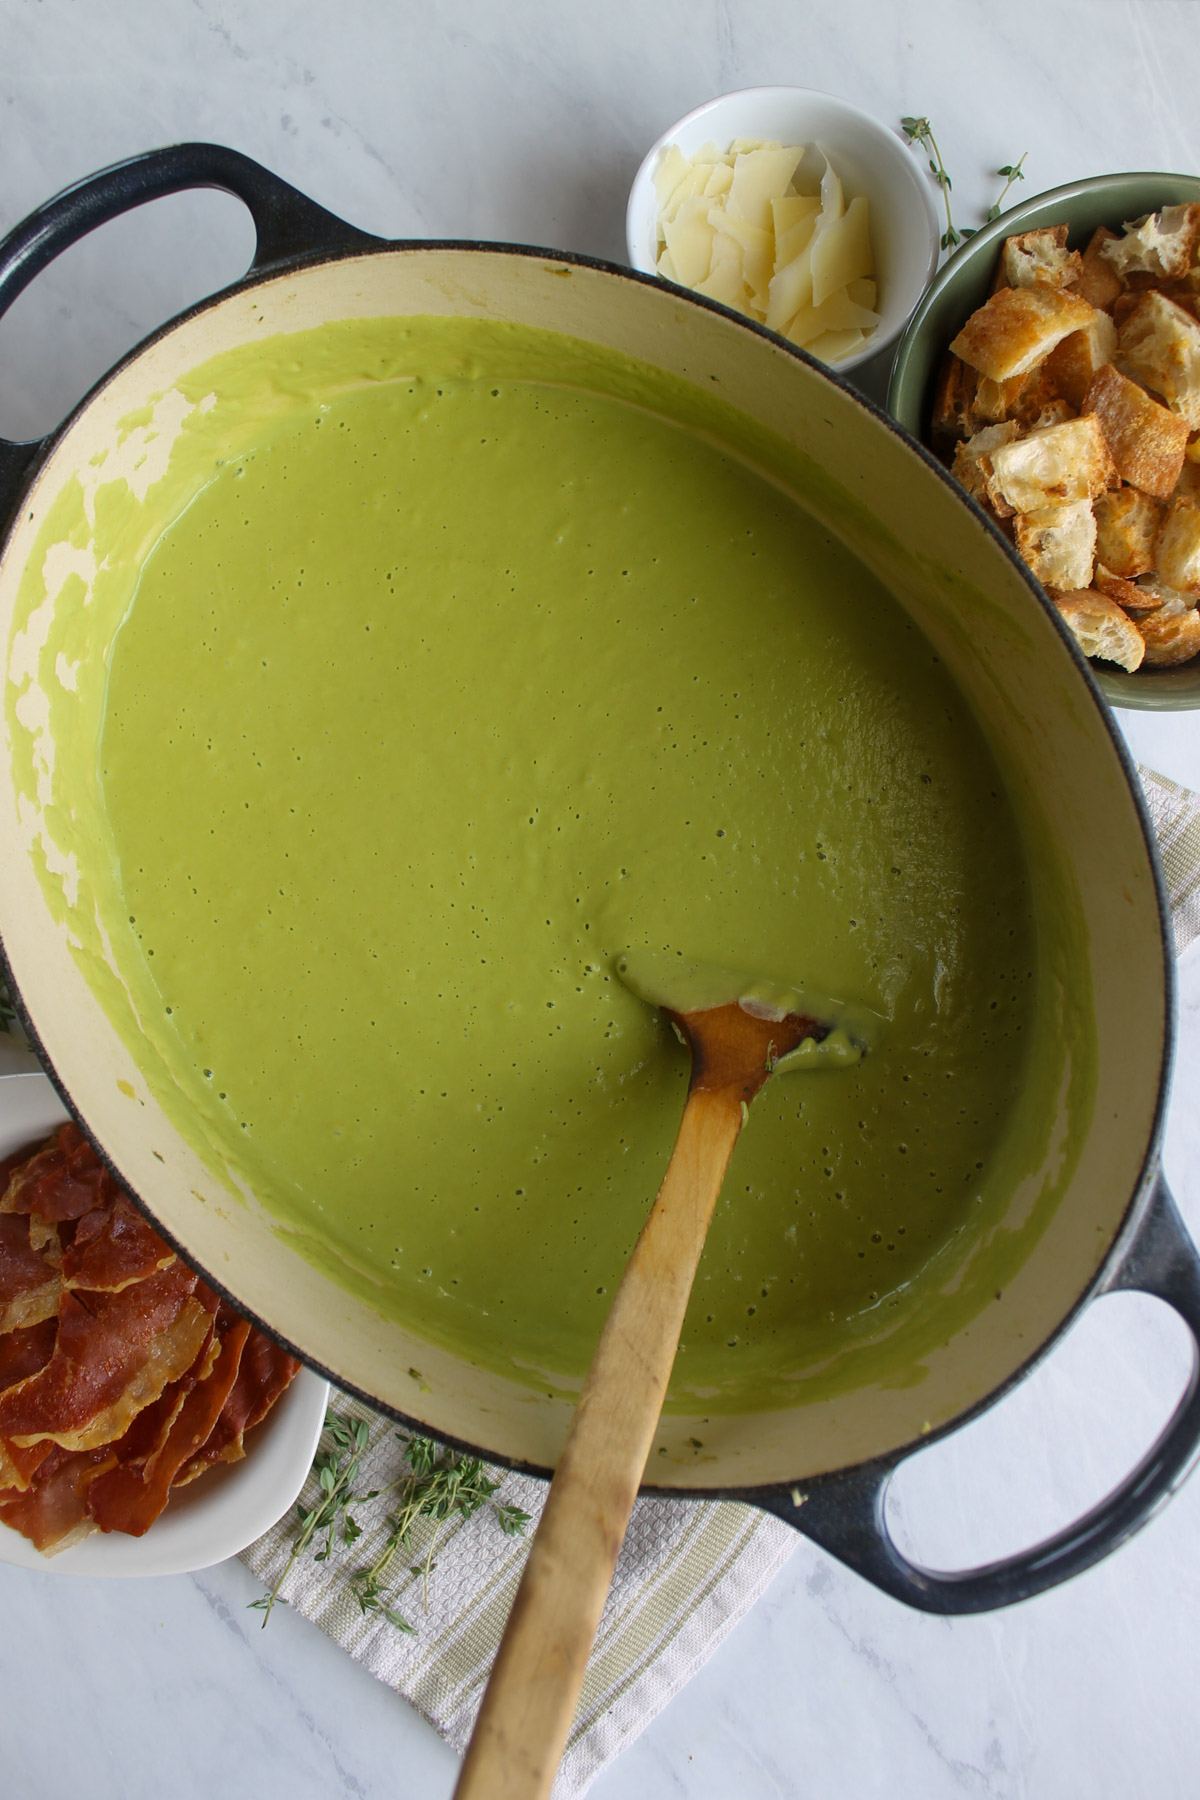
[964, 284]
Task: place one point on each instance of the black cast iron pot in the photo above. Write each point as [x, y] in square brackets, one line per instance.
[1097, 890]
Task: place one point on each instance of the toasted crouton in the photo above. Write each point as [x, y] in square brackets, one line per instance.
[1161, 244]
[1100, 627]
[1170, 637]
[1160, 347]
[1177, 551]
[1127, 523]
[1071, 364]
[972, 464]
[1099, 283]
[996, 400]
[1153, 593]
[1017, 327]
[1059, 543]
[1036, 392]
[1041, 259]
[1055, 466]
[1123, 307]
[953, 399]
[1055, 412]
[1147, 440]
[1125, 593]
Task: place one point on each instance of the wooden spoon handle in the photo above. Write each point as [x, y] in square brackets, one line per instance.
[539, 1669]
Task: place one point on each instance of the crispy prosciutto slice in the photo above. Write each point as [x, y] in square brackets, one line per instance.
[64, 1180]
[113, 1247]
[122, 1375]
[264, 1373]
[112, 1356]
[29, 1281]
[19, 1463]
[52, 1512]
[26, 1351]
[127, 1499]
[144, 1439]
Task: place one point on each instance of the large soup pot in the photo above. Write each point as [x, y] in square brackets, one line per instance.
[824, 1466]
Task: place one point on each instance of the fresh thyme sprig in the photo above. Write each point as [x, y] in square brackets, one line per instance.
[919, 131]
[437, 1484]
[443, 1484]
[1014, 172]
[336, 1470]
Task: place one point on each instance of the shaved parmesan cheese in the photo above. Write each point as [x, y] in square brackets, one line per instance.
[732, 224]
[790, 210]
[841, 252]
[831, 346]
[836, 313]
[669, 173]
[759, 175]
[689, 239]
[791, 288]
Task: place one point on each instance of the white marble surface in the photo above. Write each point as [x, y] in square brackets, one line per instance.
[526, 122]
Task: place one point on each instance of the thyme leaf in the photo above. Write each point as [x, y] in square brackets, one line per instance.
[336, 1469]
[436, 1485]
[1013, 172]
[919, 131]
[443, 1484]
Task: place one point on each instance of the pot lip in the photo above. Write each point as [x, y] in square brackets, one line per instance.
[41, 451]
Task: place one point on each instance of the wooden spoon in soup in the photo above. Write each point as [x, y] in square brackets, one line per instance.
[739, 1031]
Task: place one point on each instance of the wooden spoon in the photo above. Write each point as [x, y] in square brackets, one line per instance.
[534, 1687]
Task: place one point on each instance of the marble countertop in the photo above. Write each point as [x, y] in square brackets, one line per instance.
[526, 122]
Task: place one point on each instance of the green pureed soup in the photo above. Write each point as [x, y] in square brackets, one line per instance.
[432, 665]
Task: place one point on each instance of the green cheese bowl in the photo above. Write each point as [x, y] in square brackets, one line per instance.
[964, 285]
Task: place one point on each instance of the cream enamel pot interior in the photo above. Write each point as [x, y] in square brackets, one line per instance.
[825, 1467]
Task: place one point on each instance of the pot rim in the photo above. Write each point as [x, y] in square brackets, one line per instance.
[38, 453]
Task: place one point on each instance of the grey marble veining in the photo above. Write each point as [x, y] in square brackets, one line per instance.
[526, 122]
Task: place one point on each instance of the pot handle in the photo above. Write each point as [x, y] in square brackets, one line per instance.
[288, 226]
[845, 1514]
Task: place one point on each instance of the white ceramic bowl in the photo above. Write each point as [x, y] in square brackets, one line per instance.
[870, 159]
[226, 1509]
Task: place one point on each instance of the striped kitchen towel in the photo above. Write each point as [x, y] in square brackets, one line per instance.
[688, 1571]
[1175, 815]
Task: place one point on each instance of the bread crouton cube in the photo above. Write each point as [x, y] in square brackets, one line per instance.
[1160, 347]
[996, 400]
[1055, 412]
[1147, 440]
[1040, 259]
[1059, 544]
[1177, 551]
[1125, 593]
[1161, 244]
[953, 399]
[1055, 466]
[972, 464]
[1036, 392]
[1170, 637]
[1071, 364]
[1188, 485]
[1150, 593]
[1099, 283]
[1017, 327]
[1100, 628]
[1127, 523]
